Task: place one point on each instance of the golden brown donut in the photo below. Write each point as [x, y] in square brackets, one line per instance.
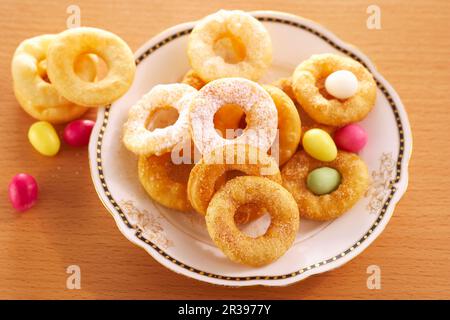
[164, 181]
[202, 182]
[32, 88]
[70, 44]
[354, 183]
[289, 124]
[240, 247]
[307, 83]
[307, 122]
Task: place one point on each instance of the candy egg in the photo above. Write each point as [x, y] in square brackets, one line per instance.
[44, 138]
[23, 191]
[319, 145]
[341, 84]
[323, 180]
[77, 132]
[350, 138]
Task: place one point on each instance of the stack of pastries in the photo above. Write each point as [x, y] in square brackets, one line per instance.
[233, 149]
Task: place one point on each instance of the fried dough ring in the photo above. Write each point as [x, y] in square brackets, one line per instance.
[227, 117]
[248, 37]
[307, 83]
[191, 78]
[237, 245]
[285, 84]
[260, 110]
[354, 183]
[243, 158]
[69, 45]
[39, 98]
[289, 124]
[164, 181]
[138, 139]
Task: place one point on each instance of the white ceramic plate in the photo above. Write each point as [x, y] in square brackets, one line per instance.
[180, 241]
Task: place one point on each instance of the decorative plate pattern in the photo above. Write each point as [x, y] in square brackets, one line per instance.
[179, 241]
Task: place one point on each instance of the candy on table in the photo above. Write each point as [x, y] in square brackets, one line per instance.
[351, 138]
[23, 191]
[341, 84]
[319, 145]
[323, 180]
[44, 138]
[77, 132]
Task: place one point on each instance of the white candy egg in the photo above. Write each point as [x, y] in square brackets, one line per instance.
[341, 84]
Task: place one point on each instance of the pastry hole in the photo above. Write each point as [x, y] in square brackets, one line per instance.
[90, 67]
[320, 84]
[162, 118]
[42, 70]
[230, 121]
[230, 48]
[252, 220]
[102, 69]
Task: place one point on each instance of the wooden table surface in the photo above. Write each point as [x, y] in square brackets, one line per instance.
[69, 225]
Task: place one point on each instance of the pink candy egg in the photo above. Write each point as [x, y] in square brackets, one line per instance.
[350, 138]
[23, 191]
[77, 132]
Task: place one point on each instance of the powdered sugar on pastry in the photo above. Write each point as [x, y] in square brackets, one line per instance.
[229, 33]
[138, 139]
[260, 110]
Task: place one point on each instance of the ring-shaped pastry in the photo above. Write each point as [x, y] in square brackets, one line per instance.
[308, 85]
[227, 117]
[240, 247]
[354, 183]
[69, 45]
[204, 177]
[138, 139]
[32, 88]
[250, 43]
[289, 124]
[307, 123]
[259, 108]
[164, 181]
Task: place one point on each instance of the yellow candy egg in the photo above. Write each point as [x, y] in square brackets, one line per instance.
[319, 145]
[44, 138]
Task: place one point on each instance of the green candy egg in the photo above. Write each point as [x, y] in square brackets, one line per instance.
[323, 180]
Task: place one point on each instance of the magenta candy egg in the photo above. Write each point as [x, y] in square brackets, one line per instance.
[77, 132]
[23, 191]
[351, 138]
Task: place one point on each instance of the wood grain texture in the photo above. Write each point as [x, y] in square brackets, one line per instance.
[69, 225]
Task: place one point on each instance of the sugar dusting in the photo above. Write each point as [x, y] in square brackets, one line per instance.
[261, 113]
[142, 141]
